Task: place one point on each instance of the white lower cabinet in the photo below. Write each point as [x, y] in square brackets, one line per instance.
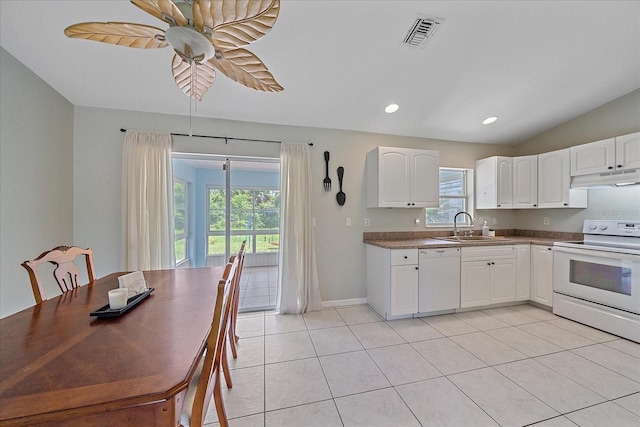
[404, 290]
[487, 275]
[523, 272]
[542, 274]
[392, 281]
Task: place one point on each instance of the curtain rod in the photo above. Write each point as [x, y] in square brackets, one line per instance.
[226, 138]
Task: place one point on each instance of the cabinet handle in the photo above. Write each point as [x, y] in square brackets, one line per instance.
[408, 204]
[610, 167]
[499, 205]
[413, 204]
[548, 249]
[619, 166]
[488, 263]
[535, 206]
[493, 263]
[416, 268]
[566, 204]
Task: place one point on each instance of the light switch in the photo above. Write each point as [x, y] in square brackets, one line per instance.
[367, 222]
[348, 222]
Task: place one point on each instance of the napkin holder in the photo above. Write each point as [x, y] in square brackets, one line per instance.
[134, 282]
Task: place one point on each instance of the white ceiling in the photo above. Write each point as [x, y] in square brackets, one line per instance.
[534, 64]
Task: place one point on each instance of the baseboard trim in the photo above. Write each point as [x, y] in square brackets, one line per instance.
[341, 302]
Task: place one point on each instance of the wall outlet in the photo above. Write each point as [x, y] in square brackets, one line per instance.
[348, 222]
[367, 222]
[545, 221]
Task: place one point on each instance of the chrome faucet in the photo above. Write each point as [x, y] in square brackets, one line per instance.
[455, 221]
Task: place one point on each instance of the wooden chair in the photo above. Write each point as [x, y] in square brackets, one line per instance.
[66, 272]
[206, 381]
[233, 337]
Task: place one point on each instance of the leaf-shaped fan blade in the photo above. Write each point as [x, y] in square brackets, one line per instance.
[118, 33]
[236, 23]
[194, 80]
[158, 7]
[245, 68]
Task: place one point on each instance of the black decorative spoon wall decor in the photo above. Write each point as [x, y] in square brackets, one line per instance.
[341, 197]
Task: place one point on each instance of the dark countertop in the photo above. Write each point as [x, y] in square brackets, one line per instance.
[429, 243]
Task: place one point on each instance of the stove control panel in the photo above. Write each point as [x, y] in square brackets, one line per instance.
[611, 227]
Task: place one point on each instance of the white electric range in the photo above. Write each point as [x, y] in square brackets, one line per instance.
[597, 281]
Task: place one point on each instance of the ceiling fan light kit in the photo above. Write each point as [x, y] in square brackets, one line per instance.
[207, 35]
[189, 44]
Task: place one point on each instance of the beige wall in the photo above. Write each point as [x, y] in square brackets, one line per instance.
[47, 143]
[619, 117]
[36, 177]
[341, 255]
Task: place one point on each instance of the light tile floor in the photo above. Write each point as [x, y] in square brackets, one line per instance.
[512, 366]
[258, 288]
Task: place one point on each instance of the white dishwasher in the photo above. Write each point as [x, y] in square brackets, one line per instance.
[438, 279]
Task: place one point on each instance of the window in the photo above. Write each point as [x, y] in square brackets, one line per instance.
[455, 195]
[254, 216]
[180, 220]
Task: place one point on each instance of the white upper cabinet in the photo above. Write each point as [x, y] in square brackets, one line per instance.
[494, 183]
[594, 157]
[525, 181]
[554, 182]
[628, 151]
[402, 178]
[613, 154]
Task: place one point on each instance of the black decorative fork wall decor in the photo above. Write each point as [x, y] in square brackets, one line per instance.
[327, 181]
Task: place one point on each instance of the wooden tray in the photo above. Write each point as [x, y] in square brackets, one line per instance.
[105, 311]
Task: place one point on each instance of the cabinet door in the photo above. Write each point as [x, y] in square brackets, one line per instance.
[505, 182]
[475, 285]
[393, 177]
[425, 179]
[553, 179]
[404, 290]
[628, 151]
[525, 182]
[523, 272]
[503, 280]
[542, 274]
[494, 183]
[594, 157]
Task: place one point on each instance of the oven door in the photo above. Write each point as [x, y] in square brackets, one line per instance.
[607, 278]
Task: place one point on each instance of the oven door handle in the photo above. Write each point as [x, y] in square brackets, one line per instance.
[597, 253]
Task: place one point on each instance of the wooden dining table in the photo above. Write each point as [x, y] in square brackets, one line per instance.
[61, 366]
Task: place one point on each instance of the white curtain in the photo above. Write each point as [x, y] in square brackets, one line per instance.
[299, 290]
[147, 201]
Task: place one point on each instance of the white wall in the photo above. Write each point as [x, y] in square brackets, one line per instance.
[341, 255]
[36, 177]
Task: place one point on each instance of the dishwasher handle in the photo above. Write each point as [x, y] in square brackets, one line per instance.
[440, 253]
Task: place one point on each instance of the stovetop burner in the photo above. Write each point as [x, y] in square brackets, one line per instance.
[609, 235]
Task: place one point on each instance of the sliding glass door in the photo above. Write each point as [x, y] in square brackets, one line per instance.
[241, 203]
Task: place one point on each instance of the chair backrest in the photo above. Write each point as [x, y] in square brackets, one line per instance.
[215, 344]
[66, 272]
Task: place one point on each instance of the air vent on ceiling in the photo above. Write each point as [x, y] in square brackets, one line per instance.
[421, 31]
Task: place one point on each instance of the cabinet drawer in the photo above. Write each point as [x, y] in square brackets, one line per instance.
[404, 256]
[488, 252]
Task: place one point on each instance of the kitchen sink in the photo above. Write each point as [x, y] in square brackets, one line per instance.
[465, 238]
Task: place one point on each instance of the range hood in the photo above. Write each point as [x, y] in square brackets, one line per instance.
[607, 179]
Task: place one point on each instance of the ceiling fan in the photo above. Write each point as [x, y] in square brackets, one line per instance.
[207, 35]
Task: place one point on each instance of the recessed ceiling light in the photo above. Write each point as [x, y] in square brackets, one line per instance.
[391, 108]
[489, 120]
